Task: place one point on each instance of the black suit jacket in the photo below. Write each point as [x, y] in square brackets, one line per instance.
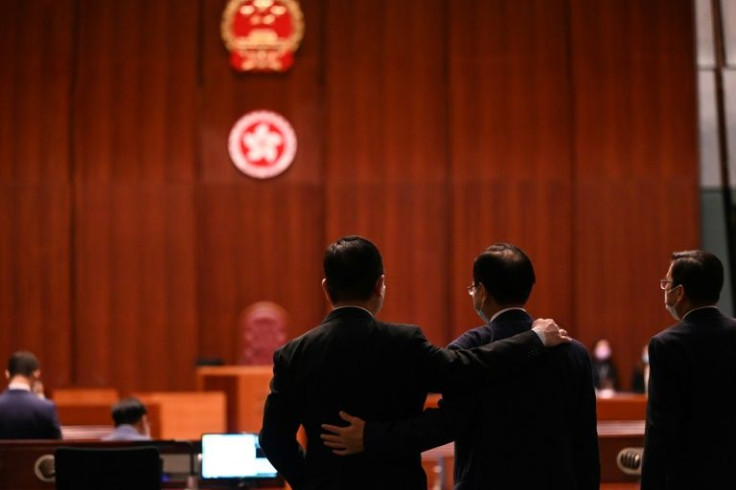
[534, 431]
[377, 371]
[690, 440]
[25, 416]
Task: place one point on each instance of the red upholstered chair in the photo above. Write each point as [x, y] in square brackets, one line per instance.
[263, 329]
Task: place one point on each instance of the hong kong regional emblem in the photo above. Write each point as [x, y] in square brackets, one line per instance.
[262, 144]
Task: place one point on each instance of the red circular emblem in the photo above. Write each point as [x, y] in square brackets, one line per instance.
[262, 144]
[262, 35]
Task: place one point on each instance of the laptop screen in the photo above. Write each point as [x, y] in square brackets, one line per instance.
[234, 457]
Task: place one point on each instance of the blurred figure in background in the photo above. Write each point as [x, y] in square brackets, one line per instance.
[131, 421]
[640, 378]
[604, 370]
[24, 411]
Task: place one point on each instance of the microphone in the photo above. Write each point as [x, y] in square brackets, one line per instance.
[45, 468]
[629, 460]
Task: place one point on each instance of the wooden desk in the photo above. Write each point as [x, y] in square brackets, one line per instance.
[19, 460]
[74, 415]
[612, 438]
[622, 406]
[245, 387]
[186, 415]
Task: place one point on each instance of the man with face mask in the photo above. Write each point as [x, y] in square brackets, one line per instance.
[500, 429]
[691, 411]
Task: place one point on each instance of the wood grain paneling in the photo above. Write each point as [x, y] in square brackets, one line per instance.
[35, 78]
[130, 243]
[135, 207]
[386, 165]
[510, 136]
[635, 151]
[260, 240]
[136, 283]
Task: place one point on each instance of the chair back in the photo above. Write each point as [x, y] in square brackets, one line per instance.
[121, 468]
[263, 330]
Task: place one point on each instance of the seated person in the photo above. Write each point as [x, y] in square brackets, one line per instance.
[24, 412]
[131, 421]
[605, 377]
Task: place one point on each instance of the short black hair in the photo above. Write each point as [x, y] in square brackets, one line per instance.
[352, 265]
[128, 411]
[506, 272]
[700, 273]
[22, 363]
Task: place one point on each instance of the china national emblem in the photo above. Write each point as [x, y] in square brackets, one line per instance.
[262, 144]
[262, 35]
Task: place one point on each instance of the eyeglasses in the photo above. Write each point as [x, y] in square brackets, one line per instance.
[471, 288]
[664, 282]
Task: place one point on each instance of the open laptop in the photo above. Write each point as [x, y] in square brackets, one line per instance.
[236, 460]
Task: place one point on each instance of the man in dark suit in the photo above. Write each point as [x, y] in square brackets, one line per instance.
[355, 363]
[690, 438]
[503, 438]
[24, 413]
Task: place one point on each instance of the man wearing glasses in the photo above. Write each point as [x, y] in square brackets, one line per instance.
[690, 439]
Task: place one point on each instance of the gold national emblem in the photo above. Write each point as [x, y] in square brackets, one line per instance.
[262, 35]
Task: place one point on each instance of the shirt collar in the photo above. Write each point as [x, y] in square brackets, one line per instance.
[699, 308]
[18, 385]
[501, 312]
[352, 306]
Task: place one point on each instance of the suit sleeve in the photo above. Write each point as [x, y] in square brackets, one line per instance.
[586, 458]
[664, 417]
[55, 426]
[433, 427]
[280, 426]
[448, 371]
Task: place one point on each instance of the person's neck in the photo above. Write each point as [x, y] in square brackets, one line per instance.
[492, 309]
[19, 379]
[689, 307]
[366, 305]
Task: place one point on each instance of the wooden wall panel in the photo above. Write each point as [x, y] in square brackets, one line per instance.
[636, 190]
[131, 244]
[35, 300]
[137, 313]
[135, 207]
[510, 134]
[386, 165]
[261, 240]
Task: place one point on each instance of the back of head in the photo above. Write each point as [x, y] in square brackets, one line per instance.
[700, 273]
[128, 411]
[352, 265]
[22, 363]
[506, 272]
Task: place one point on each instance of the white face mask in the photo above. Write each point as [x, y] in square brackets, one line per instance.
[482, 315]
[602, 352]
[671, 307]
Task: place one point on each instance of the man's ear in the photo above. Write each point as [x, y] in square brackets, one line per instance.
[324, 289]
[482, 293]
[380, 288]
[7, 374]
